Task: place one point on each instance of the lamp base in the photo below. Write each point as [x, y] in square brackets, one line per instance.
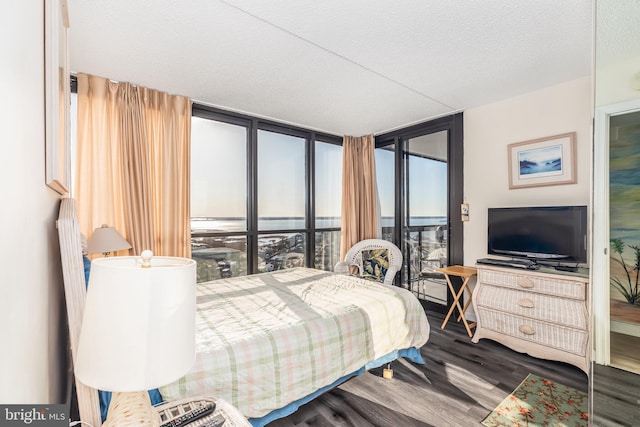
[131, 408]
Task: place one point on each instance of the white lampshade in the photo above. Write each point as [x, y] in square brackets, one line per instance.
[106, 239]
[138, 330]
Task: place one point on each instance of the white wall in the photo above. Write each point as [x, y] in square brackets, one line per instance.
[32, 361]
[489, 129]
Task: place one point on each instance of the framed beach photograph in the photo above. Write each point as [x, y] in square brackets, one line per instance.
[57, 96]
[543, 161]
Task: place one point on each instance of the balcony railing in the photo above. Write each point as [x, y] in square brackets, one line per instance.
[226, 256]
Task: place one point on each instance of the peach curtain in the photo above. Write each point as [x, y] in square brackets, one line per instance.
[133, 164]
[360, 214]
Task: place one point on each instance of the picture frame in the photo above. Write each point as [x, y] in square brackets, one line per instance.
[57, 96]
[543, 161]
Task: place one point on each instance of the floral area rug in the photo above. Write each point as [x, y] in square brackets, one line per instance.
[541, 402]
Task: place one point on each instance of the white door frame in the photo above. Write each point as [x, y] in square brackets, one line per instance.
[600, 251]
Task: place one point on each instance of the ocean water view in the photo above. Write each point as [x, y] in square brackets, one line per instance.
[295, 223]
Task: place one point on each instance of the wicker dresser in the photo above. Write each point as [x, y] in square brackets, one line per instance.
[543, 314]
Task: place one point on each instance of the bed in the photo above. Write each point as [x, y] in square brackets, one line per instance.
[268, 343]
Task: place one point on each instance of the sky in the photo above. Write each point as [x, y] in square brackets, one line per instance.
[218, 174]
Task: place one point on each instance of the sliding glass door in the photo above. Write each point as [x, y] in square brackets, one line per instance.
[425, 219]
[423, 167]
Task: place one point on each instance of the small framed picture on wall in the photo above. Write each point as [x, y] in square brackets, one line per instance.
[543, 161]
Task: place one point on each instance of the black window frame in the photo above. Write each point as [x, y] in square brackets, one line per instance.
[253, 125]
[453, 124]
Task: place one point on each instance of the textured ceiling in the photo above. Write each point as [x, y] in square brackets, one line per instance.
[618, 31]
[343, 67]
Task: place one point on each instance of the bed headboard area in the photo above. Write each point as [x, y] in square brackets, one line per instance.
[75, 292]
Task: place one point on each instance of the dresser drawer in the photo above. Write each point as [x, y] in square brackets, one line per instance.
[536, 331]
[532, 283]
[563, 311]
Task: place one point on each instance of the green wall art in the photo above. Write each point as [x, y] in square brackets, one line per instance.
[624, 204]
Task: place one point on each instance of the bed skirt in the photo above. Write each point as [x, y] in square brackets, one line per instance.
[412, 354]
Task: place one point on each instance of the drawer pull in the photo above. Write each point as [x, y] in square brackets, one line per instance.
[526, 303]
[525, 282]
[527, 330]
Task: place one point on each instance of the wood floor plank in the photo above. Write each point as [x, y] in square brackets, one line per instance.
[616, 397]
[459, 384]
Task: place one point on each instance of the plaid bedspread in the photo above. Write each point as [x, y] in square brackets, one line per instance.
[266, 340]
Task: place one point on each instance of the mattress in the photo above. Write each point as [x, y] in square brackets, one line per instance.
[266, 340]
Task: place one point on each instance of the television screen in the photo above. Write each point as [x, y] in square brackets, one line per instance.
[550, 233]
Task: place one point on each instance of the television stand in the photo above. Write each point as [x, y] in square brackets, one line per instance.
[543, 314]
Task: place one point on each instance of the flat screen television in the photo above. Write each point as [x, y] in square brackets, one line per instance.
[540, 233]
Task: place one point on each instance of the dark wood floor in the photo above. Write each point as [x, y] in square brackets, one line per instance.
[616, 397]
[459, 385]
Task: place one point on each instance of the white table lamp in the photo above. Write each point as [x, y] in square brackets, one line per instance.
[138, 331]
[105, 240]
